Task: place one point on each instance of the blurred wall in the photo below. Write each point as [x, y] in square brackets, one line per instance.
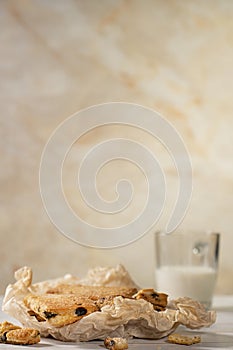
[60, 56]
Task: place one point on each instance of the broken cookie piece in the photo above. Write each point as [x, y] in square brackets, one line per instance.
[159, 300]
[183, 339]
[59, 310]
[116, 343]
[12, 334]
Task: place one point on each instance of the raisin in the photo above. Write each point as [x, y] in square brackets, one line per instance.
[49, 314]
[4, 337]
[155, 295]
[80, 311]
[111, 343]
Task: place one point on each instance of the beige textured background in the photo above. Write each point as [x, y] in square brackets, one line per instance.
[60, 56]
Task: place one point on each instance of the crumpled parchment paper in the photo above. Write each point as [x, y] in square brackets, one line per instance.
[124, 318]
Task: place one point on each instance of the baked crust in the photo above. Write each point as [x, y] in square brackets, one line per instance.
[12, 334]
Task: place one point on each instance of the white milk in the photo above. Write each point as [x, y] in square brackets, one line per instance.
[196, 282]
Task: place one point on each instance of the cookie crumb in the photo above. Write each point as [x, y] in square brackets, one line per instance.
[115, 343]
[177, 338]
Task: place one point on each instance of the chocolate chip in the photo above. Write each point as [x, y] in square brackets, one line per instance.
[155, 295]
[80, 311]
[49, 314]
[3, 337]
[111, 343]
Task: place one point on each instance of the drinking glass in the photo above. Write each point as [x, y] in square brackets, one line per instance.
[187, 264]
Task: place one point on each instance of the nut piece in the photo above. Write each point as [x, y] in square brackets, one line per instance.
[159, 300]
[116, 343]
[183, 339]
[11, 334]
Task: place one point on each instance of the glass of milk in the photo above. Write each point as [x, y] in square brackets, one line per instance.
[186, 264]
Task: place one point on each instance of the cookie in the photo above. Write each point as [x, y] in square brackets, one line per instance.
[93, 292]
[159, 300]
[11, 334]
[102, 295]
[59, 310]
[115, 343]
[183, 339]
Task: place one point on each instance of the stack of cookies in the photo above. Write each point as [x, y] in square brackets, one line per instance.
[68, 303]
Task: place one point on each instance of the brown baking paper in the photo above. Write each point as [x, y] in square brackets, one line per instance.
[124, 318]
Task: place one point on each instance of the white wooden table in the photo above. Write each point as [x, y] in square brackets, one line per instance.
[219, 336]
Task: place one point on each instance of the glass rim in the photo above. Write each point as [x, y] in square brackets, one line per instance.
[188, 232]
